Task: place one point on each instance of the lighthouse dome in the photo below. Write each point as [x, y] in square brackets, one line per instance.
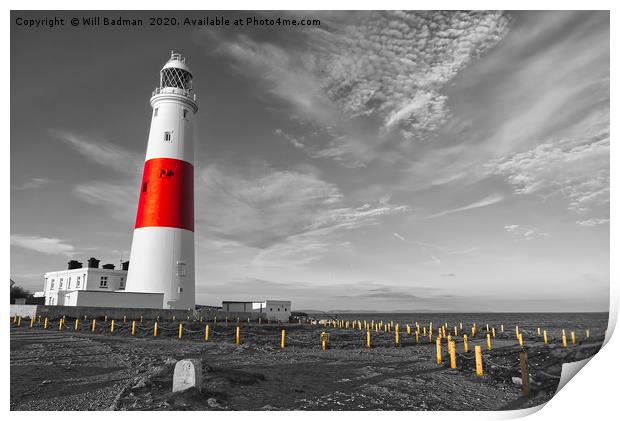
[177, 61]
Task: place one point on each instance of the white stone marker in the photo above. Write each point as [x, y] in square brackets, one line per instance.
[187, 373]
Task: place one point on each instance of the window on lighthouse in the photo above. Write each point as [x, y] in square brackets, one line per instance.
[185, 113]
[167, 137]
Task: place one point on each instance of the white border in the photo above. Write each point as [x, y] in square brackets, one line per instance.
[591, 394]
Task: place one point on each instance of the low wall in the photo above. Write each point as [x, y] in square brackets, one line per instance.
[72, 312]
[23, 310]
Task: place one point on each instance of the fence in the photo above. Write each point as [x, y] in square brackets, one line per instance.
[345, 334]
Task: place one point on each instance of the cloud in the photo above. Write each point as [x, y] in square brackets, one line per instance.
[387, 67]
[574, 169]
[526, 232]
[288, 216]
[487, 201]
[103, 153]
[120, 199]
[593, 222]
[34, 183]
[45, 245]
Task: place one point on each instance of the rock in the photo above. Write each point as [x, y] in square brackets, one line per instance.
[170, 361]
[517, 380]
[187, 374]
[212, 402]
[139, 385]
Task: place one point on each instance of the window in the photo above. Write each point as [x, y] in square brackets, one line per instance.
[185, 113]
[278, 308]
[69, 283]
[271, 309]
[181, 269]
[180, 290]
[77, 284]
[284, 308]
[155, 112]
[103, 282]
[60, 284]
[167, 137]
[122, 284]
[52, 284]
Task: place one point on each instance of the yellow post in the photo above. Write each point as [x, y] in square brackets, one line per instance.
[521, 340]
[19, 321]
[465, 346]
[133, 328]
[93, 326]
[396, 338]
[517, 331]
[31, 322]
[417, 337]
[461, 325]
[424, 331]
[564, 339]
[15, 318]
[502, 328]
[438, 351]
[538, 331]
[452, 352]
[488, 341]
[455, 331]
[206, 333]
[181, 330]
[572, 338]
[368, 343]
[323, 341]
[473, 331]
[237, 336]
[545, 337]
[479, 370]
[493, 331]
[60, 323]
[112, 327]
[282, 338]
[487, 327]
[76, 324]
[45, 324]
[155, 329]
[408, 330]
[587, 332]
[430, 336]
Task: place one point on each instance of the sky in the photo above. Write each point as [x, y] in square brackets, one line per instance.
[411, 161]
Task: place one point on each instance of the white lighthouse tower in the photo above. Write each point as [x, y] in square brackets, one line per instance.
[162, 251]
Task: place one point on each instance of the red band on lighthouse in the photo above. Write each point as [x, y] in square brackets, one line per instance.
[166, 195]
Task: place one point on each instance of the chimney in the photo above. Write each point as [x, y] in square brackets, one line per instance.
[125, 265]
[74, 264]
[108, 266]
[93, 263]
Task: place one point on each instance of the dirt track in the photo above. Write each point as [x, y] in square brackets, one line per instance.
[52, 370]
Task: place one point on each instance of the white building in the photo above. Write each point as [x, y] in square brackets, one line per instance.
[268, 309]
[94, 286]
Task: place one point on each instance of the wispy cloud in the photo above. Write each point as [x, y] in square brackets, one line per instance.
[388, 66]
[102, 152]
[487, 201]
[45, 245]
[593, 222]
[526, 232]
[34, 183]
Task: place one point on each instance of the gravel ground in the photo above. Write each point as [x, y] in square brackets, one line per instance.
[68, 370]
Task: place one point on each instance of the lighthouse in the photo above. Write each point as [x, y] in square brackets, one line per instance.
[162, 250]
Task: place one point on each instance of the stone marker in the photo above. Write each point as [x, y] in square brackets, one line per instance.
[187, 373]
